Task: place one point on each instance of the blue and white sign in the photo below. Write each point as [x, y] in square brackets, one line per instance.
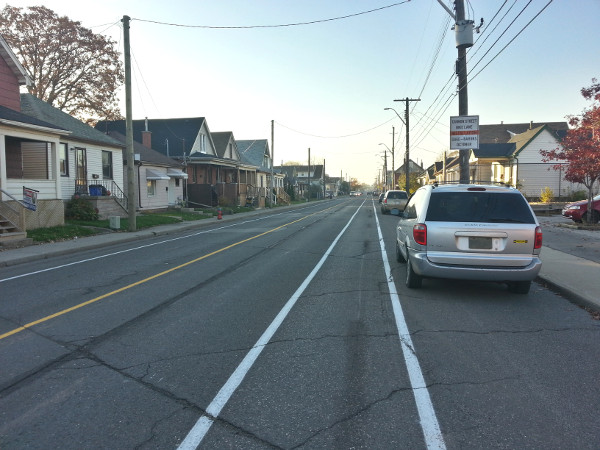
[30, 198]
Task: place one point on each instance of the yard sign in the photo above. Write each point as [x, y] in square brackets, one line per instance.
[30, 198]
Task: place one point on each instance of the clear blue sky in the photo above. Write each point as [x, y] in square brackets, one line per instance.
[326, 84]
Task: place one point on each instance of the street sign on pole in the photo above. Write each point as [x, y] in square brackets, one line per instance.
[464, 132]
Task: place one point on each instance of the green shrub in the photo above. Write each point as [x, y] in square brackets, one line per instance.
[546, 195]
[80, 209]
[578, 195]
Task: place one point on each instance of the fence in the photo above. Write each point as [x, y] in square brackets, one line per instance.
[529, 178]
[532, 178]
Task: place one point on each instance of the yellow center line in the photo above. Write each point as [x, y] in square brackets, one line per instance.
[137, 283]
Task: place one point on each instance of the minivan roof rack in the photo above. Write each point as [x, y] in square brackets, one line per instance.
[484, 182]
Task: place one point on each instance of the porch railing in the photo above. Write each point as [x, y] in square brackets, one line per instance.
[100, 188]
[13, 212]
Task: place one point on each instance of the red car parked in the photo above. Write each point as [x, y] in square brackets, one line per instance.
[578, 210]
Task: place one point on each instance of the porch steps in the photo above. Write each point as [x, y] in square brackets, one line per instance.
[11, 236]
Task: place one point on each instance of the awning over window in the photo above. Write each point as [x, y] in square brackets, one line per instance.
[176, 173]
[155, 175]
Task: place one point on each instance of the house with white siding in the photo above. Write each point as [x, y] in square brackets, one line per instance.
[29, 161]
[49, 155]
[160, 180]
[517, 161]
[87, 157]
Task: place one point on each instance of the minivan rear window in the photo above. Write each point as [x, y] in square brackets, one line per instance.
[491, 207]
[400, 195]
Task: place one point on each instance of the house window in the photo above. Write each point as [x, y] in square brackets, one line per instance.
[202, 143]
[176, 182]
[151, 185]
[64, 159]
[36, 163]
[107, 165]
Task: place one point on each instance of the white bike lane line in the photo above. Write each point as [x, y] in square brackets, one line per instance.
[429, 423]
[198, 432]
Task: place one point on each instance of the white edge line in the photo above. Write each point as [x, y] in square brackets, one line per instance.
[202, 426]
[429, 423]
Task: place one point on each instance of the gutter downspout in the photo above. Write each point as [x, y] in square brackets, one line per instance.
[139, 188]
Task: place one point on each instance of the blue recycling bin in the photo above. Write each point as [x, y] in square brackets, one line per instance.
[95, 190]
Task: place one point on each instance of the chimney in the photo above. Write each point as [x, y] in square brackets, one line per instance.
[531, 125]
[147, 136]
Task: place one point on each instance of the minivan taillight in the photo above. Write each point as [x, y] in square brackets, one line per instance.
[538, 238]
[420, 233]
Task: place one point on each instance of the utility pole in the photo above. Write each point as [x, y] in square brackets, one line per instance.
[385, 170]
[272, 159]
[463, 30]
[393, 152]
[407, 154]
[463, 97]
[131, 181]
[324, 190]
[308, 196]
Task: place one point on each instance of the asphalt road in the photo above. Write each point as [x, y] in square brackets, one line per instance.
[291, 330]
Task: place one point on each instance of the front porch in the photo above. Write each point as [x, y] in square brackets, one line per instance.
[101, 188]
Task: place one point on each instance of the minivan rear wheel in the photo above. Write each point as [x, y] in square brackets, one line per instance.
[413, 281]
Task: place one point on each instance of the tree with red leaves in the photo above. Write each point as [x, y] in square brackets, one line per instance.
[581, 147]
[72, 68]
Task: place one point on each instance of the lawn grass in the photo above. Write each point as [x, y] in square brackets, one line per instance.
[79, 228]
[60, 233]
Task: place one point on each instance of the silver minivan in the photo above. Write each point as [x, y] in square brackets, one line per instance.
[470, 232]
[393, 199]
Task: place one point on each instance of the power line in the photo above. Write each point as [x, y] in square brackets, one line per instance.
[444, 90]
[499, 37]
[511, 41]
[335, 137]
[487, 27]
[446, 105]
[312, 22]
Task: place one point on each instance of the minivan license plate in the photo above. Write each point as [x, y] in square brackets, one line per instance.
[480, 243]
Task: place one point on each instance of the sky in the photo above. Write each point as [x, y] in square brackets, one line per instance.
[323, 71]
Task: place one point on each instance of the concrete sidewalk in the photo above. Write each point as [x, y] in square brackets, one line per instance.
[576, 278]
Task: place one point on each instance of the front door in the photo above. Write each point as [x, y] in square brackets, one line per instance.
[81, 171]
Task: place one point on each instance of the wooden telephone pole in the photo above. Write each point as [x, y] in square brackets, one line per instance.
[131, 180]
[407, 155]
